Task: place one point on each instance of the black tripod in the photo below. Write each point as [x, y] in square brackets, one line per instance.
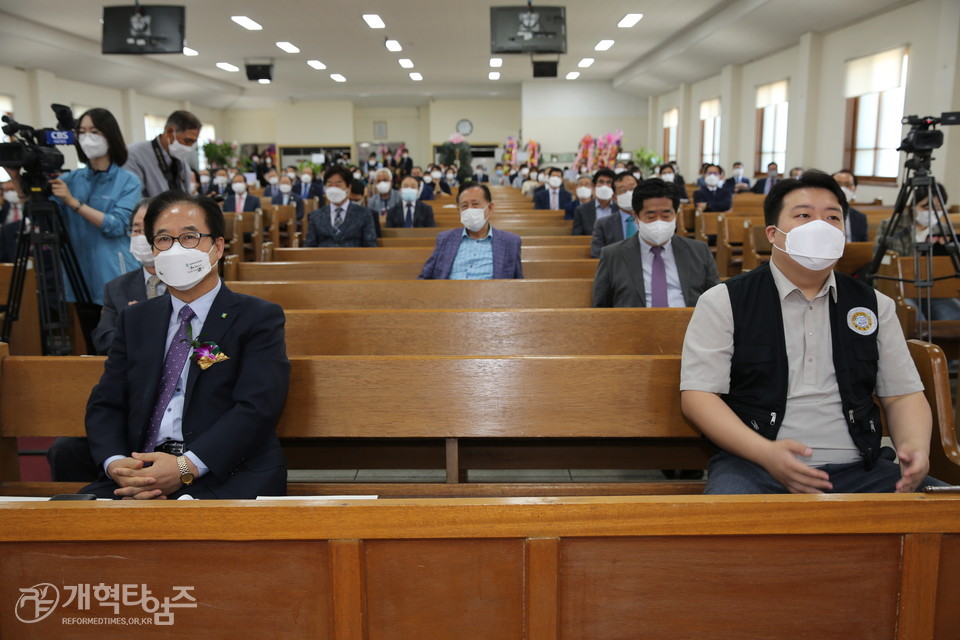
[43, 234]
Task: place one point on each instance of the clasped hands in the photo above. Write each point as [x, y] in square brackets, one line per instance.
[139, 482]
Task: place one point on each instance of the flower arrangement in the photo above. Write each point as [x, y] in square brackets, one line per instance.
[221, 154]
[456, 138]
[585, 153]
[205, 353]
[533, 153]
[509, 158]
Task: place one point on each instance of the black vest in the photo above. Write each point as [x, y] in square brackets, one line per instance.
[759, 369]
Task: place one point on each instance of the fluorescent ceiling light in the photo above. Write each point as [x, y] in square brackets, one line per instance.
[494, 75]
[586, 62]
[226, 66]
[630, 20]
[373, 21]
[416, 76]
[246, 23]
[393, 45]
[264, 80]
[288, 47]
[573, 75]
[316, 64]
[496, 63]
[406, 63]
[187, 51]
[603, 45]
[337, 77]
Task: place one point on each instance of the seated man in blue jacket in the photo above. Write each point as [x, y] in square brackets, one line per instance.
[476, 251]
[713, 195]
[554, 196]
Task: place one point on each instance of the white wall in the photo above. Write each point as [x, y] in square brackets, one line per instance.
[404, 124]
[493, 120]
[559, 114]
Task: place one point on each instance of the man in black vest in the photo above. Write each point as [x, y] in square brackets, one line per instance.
[781, 363]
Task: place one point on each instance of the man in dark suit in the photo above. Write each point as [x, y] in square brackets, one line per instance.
[219, 187]
[586, 215]
[272, 187]
[341, 223]
[411, 212]
[476, 251]
[287, 196]
[554, 196]
[655, 267]
[11, 206]
[405, 166]
[584, 195]
[620, 225]
[160, 424]
[763, 185]
[855, 225]
[240, 201]
[738, 182]
[713, 195]
[481, 175]
[307, 186]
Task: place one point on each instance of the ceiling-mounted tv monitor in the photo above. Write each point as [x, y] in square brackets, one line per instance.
[143, 29]
[524, 29]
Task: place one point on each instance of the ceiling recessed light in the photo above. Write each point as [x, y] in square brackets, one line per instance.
[630, 20]
[316, 64]
[289, 47]
[494, 75]
[226, 66]
[603, 45]
[496, 63]
[246, 23]
[373, 21]
[586, 62]
[406, 63]
[264, 80]
[336, 77]
[393, 45]
[416, 76]
[573, 75]
[187, 51]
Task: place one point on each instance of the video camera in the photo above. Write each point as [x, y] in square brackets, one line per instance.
[35, 152]
[922, 136]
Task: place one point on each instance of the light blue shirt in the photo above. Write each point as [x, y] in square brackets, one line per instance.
[474, 259]
[674, 291]
[603, 212]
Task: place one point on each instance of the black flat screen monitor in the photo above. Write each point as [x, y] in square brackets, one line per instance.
[528, 29]
[143, 29]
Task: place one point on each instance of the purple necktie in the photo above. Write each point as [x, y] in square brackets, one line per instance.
[408, 221]
[172, 368]
[658, 279]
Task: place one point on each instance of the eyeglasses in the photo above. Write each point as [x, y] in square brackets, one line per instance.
[188, 240]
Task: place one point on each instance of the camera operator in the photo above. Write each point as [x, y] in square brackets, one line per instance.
[96, 202]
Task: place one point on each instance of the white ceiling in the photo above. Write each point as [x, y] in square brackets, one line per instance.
[448, 41]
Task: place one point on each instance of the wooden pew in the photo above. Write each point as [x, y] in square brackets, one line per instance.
[945, 332]
[423, 294]
[578, 568]
[431, 232]
[731, 235]
[414, 254]
[528, 241]
[409, 270]
[25, 337]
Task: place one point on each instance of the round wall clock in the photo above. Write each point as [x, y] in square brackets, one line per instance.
[464, 127]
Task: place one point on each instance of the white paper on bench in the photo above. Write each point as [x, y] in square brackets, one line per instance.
[41, 499]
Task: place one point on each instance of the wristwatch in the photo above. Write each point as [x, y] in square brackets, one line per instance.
[186, 477]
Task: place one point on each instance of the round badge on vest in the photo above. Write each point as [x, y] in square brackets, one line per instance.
[862, 320]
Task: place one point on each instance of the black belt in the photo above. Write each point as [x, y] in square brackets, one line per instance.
[173, 447]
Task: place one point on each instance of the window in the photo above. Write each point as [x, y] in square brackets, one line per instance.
[772, 107]
[875, 91]
[670, 120]
[153, 126]
[710, 131]
[208, 133]
[6, 109]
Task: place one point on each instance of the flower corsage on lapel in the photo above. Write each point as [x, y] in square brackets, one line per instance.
[205, 353]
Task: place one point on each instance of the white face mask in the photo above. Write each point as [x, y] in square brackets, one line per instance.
[619, 170]
[436, 175]
[94, 145]
[220, 181]
[11, 196]
[584, 193]
[738, 172]
[625, 200]
[177, 150]
[291, 175]
[604, 192]
[336, 195]
[924, 218]
[554, 182]
[306, 177]
[409, 194]
[230, 174]
[273, 180]
[636, 174]
[816, 245]
[286, 188]
[542, 177]
[384, 187]
[474, 219]
[428, 178]
[204, 180]
[357, 175]
[450, 176]
[658, 232]
[712, 179]
[182, 269]
[524, 172]
[141, 250]
[667, 177]
[850, 195]
[239, 187]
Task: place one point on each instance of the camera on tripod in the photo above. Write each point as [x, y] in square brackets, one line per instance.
[922, 137]
[35, 151]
